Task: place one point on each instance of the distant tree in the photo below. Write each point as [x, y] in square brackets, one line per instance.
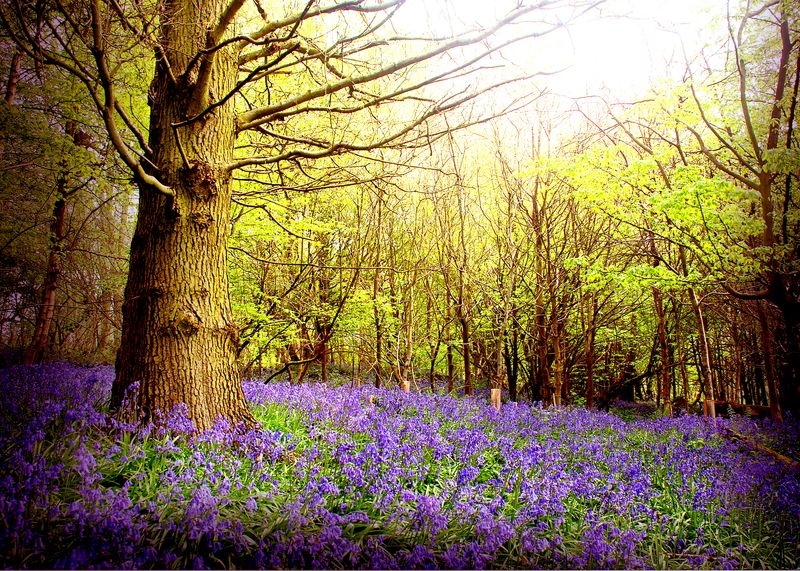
[742, 117]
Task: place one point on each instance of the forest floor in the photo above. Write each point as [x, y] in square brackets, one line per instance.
[338, 477]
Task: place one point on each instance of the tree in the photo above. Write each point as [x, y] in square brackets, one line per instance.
[742, 119]
[60, 194]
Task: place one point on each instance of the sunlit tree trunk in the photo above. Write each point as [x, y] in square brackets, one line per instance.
[179, 339]
[376, 285]
[705, 356]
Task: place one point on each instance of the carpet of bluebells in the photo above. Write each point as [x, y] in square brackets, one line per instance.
[365, 478]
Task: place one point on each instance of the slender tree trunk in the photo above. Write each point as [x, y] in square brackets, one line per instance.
[666, 365]
[47, 306]
[589, 354]
[705, 356]
[323, 359]
[465, 348]
[769, 367]
[407, 364]
[558, 364]
[13, 77]
[179, 339]
[378, 350]
[434, 347]
[432, 371]
[376, 284]
[497, 381]
[512, 363]
[451, 367]
[461, 307]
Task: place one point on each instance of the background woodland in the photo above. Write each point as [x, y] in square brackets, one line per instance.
[571, 251]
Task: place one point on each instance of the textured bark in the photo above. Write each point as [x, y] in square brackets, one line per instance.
[179, 338]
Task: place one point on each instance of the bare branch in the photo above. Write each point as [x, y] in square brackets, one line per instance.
[239, 85]
[256, 117]
[333, 148]
[717, 163]
[226, 19]
[295, 20]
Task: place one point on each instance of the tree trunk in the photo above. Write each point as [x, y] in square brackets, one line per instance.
[434, 347]
[179, 339]
[499, 361]
[44, 315]
[376, 287]
[705, 357]
[13, 77]
[464, 327]
[512, 363]
[590, 357]
[323, 360]
[769, 367]
[451, 368]
[664, 381]
[407, 360]
[558, 364]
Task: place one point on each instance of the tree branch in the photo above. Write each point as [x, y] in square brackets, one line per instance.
[740, 67]
[296, 20]
[335, 148]
[261, 115]
[108, 106]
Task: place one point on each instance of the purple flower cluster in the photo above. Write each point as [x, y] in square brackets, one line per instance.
[366, 478]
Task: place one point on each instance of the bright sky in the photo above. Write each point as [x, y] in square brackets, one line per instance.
[617, 51]
[623, 55]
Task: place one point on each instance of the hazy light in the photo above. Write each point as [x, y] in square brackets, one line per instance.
[618, 50]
